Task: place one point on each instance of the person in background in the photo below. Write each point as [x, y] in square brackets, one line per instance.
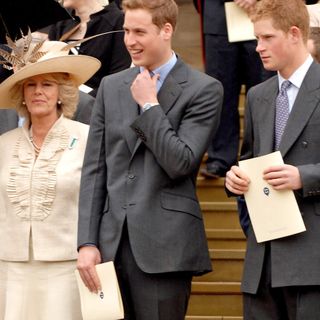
[314, 43]
[233, 64]
[8, 117]
[150, 127]
[91, 18]
[314, 14]
[40, 168]
[281, 278]
[118, 2]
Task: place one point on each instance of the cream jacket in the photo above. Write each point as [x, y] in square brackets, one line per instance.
[40, 195]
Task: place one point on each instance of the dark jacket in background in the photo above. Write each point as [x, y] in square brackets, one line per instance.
[109, 49]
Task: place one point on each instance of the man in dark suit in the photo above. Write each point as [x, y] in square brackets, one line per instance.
[281, 277]
[138, 206]
[233, 64]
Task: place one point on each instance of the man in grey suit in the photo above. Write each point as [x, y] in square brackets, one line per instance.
[138, 203]
[281, 277]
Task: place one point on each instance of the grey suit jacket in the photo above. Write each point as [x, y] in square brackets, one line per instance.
[296, 259]
[8, 120]
[84, 108]
[142, 168]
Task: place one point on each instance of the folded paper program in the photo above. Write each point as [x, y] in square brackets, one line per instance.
[107, 304]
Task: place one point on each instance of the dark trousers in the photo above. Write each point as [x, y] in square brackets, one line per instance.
[283, 303]
[150, 296]
[233, 64]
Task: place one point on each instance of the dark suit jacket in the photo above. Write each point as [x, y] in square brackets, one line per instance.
[109, 49]
[142, 168]
[214, 17]
[8, 120]
[296, 259]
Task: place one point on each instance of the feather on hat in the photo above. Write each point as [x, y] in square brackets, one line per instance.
[29, 58]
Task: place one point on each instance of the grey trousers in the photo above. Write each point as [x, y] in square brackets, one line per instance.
[283, 303]
[150, 296]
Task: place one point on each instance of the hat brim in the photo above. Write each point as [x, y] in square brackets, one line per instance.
[80, 68]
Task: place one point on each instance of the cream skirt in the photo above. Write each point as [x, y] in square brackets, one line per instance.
[36, 290]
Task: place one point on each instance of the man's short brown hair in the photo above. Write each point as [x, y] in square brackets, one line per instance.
[284, 14]
[162, 11]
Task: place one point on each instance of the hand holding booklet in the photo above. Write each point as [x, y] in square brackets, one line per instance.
[273, 213]
[107, 304]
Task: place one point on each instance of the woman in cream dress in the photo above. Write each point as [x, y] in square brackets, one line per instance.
[40, 168]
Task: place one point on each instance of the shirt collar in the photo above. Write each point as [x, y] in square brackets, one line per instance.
[164, 69]
[297, 77]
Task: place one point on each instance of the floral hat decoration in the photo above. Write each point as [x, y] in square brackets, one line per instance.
[29, 58]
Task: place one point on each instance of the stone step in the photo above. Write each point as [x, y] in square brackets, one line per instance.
[227, 266]
[226, 239]
[210, 190]
[215, 298]
[220, 215]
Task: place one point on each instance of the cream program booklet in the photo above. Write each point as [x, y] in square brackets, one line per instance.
[107, 304]
[239, 25]
[273, 214]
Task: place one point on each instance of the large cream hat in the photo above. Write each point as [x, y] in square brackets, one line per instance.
[29, 59]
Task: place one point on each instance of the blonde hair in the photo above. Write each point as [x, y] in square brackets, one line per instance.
[284, 14]
[162, 11]
[68, 95]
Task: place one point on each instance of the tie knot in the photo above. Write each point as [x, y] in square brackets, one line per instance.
[285, 85]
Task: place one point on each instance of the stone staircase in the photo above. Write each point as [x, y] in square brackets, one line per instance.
[217, 296]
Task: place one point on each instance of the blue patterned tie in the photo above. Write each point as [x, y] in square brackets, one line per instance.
[282, 112]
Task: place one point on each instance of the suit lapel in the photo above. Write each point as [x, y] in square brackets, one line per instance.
[129, 108]
[167, 96]
[307, 100]
[267, 116]
[171, 88]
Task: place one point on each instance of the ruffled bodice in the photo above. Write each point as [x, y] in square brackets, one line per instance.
[40, 194]
[32, 181]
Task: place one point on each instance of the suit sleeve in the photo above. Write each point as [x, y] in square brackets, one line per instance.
[310, 178]
[179, 152]
[93, 191]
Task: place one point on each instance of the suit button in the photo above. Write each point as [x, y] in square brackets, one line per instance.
[131, 176]
[304, 144]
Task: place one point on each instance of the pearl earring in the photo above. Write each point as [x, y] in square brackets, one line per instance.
[59, 102]
[23, 102]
